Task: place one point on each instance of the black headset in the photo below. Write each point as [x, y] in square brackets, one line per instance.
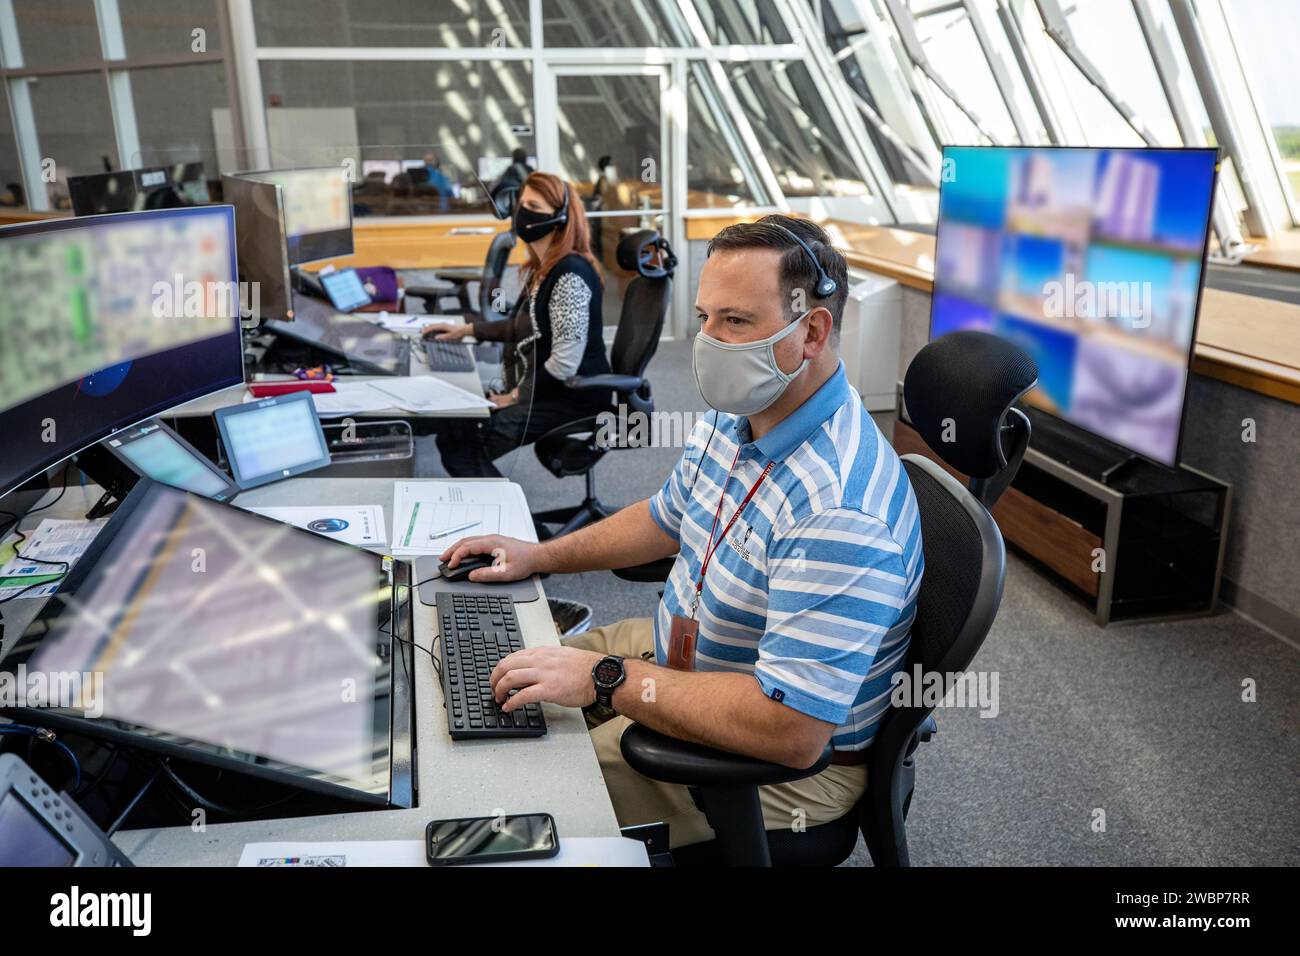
[562, 214]
[826, 286]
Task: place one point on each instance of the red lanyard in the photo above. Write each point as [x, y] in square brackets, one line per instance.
[717, 514]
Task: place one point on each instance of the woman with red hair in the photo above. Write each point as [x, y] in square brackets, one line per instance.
[554, 334]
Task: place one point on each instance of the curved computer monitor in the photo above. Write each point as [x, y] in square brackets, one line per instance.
[109, 320]
[1093, 261]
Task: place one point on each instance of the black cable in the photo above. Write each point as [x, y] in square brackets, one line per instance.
[437, 666]
[131, 806]
[211, 805]
[532, 392]
[402, 640]
[22, 536]
[45, 736]
[35, 584]
[700, 461]
[50, 504]
[100, 777]
[528, 419]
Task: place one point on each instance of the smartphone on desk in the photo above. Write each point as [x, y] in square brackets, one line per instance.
[499, 839]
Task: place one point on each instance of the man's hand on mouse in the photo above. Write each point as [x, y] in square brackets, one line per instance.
[512, 559]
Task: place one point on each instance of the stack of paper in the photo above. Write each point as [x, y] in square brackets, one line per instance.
[426, 393]
[431, 515]
[356, 524]
[349, 398]
[420, 393]
[55, 539]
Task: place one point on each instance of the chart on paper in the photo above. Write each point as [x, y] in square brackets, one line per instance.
[439, 522]
[431, 515]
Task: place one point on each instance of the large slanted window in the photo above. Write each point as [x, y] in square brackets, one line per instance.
[92, 85]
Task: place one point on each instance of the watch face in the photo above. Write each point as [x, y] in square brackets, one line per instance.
[608, 671]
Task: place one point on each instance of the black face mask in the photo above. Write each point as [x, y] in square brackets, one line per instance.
[531, 225]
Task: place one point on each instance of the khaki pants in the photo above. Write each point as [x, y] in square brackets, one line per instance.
[637, 799]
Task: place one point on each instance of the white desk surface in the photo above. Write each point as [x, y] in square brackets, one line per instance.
[471, 381]
[557, 773]
[234, 395]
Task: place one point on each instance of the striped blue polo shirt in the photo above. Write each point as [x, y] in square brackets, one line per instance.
[814, 589]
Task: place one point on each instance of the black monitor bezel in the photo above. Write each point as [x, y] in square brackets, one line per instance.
[1200, 289]
[397, 734]
[245, 482]
[235, 333]
[135, 432]
[310, 318]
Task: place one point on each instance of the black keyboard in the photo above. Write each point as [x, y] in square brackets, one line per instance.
[477, 631]
[448, 356]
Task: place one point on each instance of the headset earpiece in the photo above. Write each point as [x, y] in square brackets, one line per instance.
[826, 286]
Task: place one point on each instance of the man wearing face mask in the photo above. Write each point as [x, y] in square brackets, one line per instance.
[798, 548]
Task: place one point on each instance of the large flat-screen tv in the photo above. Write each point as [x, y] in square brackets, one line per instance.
[1093, 261]
[109, 320]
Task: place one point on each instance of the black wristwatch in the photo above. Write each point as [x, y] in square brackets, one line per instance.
[608, 675]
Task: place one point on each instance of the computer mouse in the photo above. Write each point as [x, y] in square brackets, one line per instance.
[467, 564]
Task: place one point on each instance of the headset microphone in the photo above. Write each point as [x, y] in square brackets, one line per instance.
[562, 214]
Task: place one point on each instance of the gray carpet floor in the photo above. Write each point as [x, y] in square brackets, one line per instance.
[1145, 722]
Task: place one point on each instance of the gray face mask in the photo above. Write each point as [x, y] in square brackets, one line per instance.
[742, 378]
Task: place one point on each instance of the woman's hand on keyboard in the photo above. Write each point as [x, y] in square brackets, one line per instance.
[446, 332]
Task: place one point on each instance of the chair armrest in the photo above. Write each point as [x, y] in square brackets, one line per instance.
[430, 291]
[651, 572]
[608, 383]
[464, 274]
[676, 761]
[929, 727]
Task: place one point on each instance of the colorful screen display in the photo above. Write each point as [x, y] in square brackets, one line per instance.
[1089, 259]
[108, 320]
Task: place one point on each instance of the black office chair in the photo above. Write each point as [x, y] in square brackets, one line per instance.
[959, 393]
[459, 282]
[575, 447]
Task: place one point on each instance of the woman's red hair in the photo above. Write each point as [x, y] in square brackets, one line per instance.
[573, 236]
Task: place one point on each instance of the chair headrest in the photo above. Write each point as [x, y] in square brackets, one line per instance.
[958, 391]
[503, 197]
[638, 250]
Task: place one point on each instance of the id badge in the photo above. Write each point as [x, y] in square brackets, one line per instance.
[681, 643]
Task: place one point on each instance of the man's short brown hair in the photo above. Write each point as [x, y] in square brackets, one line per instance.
[797, 272]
